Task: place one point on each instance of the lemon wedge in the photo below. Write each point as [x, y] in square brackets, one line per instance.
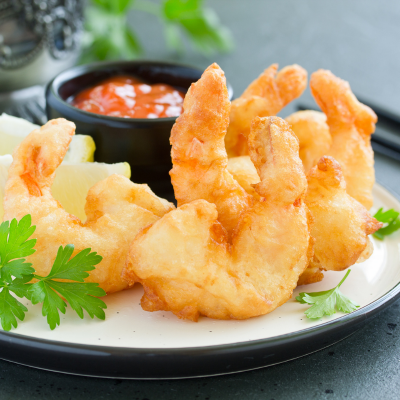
[72, 182]
[81, 149]
[13, 130]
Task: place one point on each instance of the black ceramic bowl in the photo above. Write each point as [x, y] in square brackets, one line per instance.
[144, 143]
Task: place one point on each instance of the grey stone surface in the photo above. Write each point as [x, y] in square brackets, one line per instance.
[358, 41]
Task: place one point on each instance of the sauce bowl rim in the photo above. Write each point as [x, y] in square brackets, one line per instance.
[55, 84]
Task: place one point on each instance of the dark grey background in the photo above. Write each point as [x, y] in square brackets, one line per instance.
[359, 41]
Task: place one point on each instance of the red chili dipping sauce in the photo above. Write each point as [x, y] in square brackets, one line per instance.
[128, 97]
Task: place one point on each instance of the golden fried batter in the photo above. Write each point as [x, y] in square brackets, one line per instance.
[117, 209]
[245, 173]
[264, 97]
[186, 264]
[312, 131]
[312, 274]
[341, 224]
[198, 151]
[351, 125]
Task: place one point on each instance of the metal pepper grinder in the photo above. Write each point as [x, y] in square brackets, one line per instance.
[38, 39]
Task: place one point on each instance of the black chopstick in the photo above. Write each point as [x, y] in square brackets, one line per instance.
[384, 115]
[386, 151]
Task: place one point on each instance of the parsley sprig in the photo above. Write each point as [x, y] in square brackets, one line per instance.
[109, 35]
[392, 221]
[327, 302]
[16, 276]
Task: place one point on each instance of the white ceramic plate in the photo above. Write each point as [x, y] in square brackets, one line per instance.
[132, 343]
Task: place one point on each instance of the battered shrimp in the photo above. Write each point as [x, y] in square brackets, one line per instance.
[351, 125]
[117, 209]
[312, 131]
[245, 173]
[198, 151]
[187, 265]
[341, 224]
[264, 97]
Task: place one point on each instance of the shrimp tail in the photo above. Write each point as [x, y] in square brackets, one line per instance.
[38, 156]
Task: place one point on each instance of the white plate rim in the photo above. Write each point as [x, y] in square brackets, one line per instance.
[186, 362]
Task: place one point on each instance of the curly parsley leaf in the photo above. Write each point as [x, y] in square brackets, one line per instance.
[392, 221]
[327, 302]
[79, 294]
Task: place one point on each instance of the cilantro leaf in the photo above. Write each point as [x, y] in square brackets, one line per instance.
[10, 310]
[392, 221]
[79, 294]
[327, 302]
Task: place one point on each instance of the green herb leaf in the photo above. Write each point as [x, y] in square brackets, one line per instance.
[108, 35]
[392, 221]
[17, 268]
[20, 286]
[199, 23]
[41, 292]
[80, 295]
[74, 268]
[10, 310]
[114, 6]
[14, 245]
[327, 302]
[14, 241]
[16, 275]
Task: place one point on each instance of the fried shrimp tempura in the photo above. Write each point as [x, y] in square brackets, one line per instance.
[117, 209]
[312, 131]
[341, 224]
[245, 173]
[198, 150]
[186, 264]
[351, 125]
[264, 97]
